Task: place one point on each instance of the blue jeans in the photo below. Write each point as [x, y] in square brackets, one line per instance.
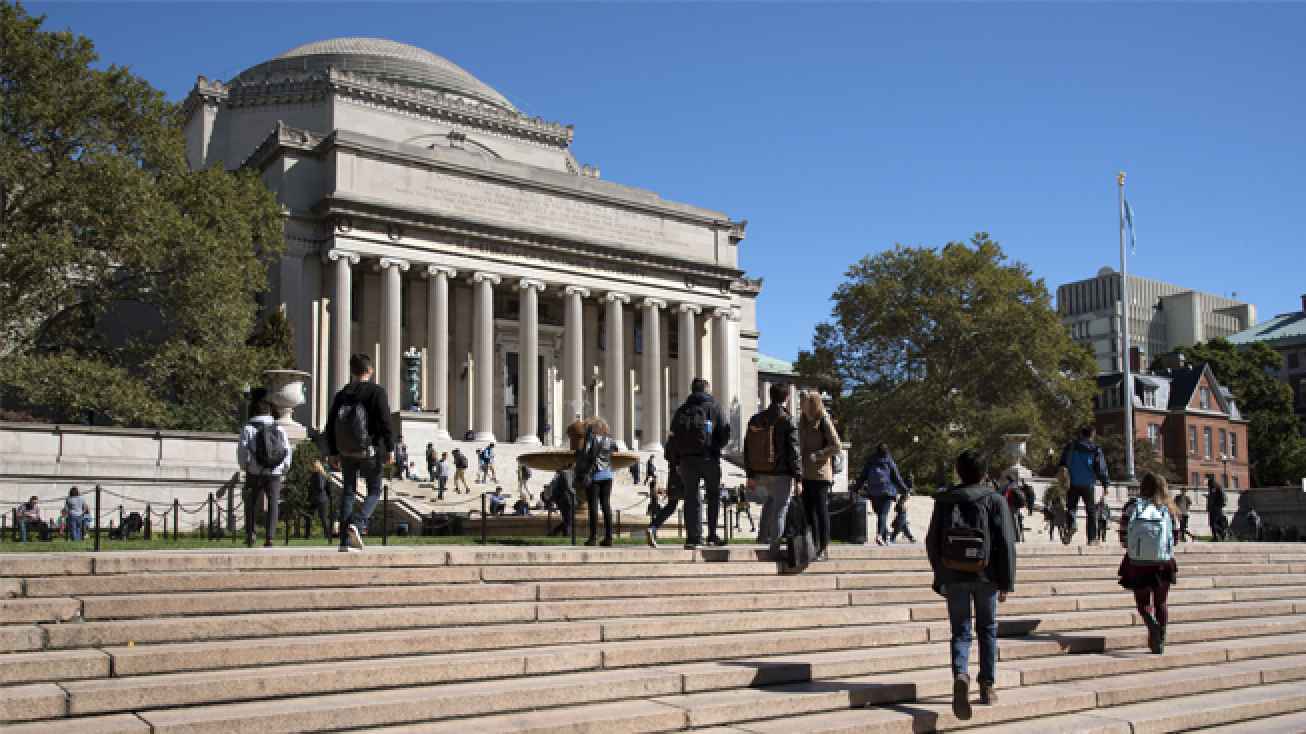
[75, 527]
[777, 490]
[351, 470]
[882, 506]
[985, 598]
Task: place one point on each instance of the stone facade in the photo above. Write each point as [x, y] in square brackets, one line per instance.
[424, 211]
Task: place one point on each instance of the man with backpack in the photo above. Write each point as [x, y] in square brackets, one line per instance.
[774, 464]
[881, 482]
[1087, 466]
[264, 455]
[971, 546]
[401, 460]
[698, 433]
[486, 459]
[443, 470]
[361, 442]
[460, 471]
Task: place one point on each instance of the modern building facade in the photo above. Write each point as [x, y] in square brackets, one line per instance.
[502, 287]
[1162, 317]
[1191, 421]
[1286, 334]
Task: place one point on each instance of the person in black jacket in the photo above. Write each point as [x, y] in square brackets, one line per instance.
[360, 392]
[778, 475]
[698, 433]
[984, 588]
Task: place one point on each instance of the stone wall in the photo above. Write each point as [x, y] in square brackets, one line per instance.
[133, 466]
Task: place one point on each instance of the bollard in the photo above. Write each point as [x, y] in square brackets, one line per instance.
[483, 520]
[385, 515]
[574, 501]
[210, 530]
[618, 522]
[176, 517]
[149, 522]
[122, 516]
[286, 525]
[97, 517]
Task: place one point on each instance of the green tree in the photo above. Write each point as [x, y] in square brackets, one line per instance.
[931, 350]
[1276, 449]
[128, 282]
[1146, 458]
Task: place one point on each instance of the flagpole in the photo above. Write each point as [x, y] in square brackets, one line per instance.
[1125, 368]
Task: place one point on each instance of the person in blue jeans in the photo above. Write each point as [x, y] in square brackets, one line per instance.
[75, 505]
[881, 483]
[971, 517]
[363, 396]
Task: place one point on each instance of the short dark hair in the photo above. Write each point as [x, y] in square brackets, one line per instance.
[698, 385]
[1088, 432]
[359, 364]
[74, 492]
[969, 467]
[779, 392]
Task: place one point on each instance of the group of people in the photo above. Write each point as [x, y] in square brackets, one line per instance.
[72, 523]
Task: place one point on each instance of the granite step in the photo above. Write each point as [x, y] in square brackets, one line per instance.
[1186, 713]
[17, 611]
[116, 724]
[1293, 723]
[166, 583]
[52, 665]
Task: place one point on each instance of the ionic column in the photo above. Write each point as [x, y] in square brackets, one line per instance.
[341, 315]
[483, 353]
[392, 270]
[614, 365]
[723, 388]
[437, 344]
[688, 346]
[652, 375]
[573, 357]
[528, 378]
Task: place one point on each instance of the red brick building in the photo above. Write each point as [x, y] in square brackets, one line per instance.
[1191, 420]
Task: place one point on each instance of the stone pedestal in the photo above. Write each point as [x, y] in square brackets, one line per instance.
[419, 429]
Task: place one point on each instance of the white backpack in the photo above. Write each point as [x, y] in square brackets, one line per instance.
[1151, 535]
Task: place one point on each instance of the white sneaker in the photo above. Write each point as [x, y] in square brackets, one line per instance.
[355, 538]
[651, 537]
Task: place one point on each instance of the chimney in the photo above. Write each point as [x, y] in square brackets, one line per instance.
[1303, 303]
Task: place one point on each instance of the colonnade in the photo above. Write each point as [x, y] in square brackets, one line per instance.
[615, 375]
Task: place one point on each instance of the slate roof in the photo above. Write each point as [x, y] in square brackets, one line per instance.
[1284, 330]
[774, 365]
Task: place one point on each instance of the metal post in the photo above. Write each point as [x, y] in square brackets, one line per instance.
[574, 501]
[680, 514]
[122, 516]
[483, 519]
[618, 522]
[97, 517]
[210, 529]
[285, 523]
[149, 522]
[176, 517]
[1125, 368]
[231, 512]
[385, 515]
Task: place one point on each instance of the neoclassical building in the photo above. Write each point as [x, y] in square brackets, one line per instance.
[425, 215]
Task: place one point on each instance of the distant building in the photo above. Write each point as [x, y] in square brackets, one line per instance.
[1189, 418]
[1163, 317]
[773, 370]
[1286, 334]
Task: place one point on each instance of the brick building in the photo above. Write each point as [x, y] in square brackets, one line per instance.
[1188, 417]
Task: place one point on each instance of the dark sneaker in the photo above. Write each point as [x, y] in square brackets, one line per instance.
[691, 546]
[988, 693]
[715, 541]
[591, 542]
[606, 542]
[961, 697]
[651, 537]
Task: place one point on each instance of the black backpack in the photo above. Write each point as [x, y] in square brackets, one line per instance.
[270, 447]
[691, 430]
[966, 544]
[797, 548]
[353, 439]
[459, 460]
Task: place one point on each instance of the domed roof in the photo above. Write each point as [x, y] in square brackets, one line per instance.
[390, 60]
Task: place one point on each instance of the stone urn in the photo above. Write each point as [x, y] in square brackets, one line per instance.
[285, 393]
[1016, 450]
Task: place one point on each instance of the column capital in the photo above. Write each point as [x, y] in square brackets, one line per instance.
[480, 277]
[526, 283]
[614, 297]
[576, 290]
[333, 255]
[387, 262]
[653, 303]
[430, 271]
[689, 308]
[727, 314]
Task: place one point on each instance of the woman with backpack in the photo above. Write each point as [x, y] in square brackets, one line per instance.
[881, 482]
[594, 472]
[1147, 530]
[819, 443]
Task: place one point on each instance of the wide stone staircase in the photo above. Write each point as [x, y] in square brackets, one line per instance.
[496, 639]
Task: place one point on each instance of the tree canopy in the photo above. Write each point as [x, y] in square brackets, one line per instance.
[1275, 446]
[932, 350]
[128, 282]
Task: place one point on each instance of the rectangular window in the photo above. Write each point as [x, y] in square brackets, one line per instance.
[1233, 445]
[1206, 441]
[1224, 442]
[1234, 479]
[1197, 480]
[1192, 440]
[1294, 361]
[639, 341]
[1205, 398]
[1154, 435]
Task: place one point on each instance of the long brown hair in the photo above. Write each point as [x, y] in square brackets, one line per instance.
[1156, 490]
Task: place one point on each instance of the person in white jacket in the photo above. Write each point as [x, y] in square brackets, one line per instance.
[261, 481]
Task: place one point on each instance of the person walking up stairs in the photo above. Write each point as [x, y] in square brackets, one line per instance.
[360, 442]
[1147, 530]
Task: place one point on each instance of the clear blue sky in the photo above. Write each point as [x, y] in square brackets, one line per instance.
[838, 130]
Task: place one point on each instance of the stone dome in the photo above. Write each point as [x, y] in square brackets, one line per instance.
[392, 61]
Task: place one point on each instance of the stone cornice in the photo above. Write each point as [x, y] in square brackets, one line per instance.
[204, 92]
[493, 238]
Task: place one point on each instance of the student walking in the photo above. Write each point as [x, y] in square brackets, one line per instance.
[443, 470]
[651, 475]
[1014, 495]
[1087, 465]
[972, 550]
[75, 506]
[881, 482]
[563, 498]
[1215, 501]
[1103, 519]
[818, 442]
[361, 442]
[486, 460]
[1147, 526]
[401, 459]
[460, 471]
[264, 455]
[744, 508]
[901, 523]
[1184, 506]
[432, 459]
[320, 494]
[698, 433]
[675, 493]
[594, 472]
[774, 465]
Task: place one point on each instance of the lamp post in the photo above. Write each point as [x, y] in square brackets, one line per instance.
[1224, 459]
